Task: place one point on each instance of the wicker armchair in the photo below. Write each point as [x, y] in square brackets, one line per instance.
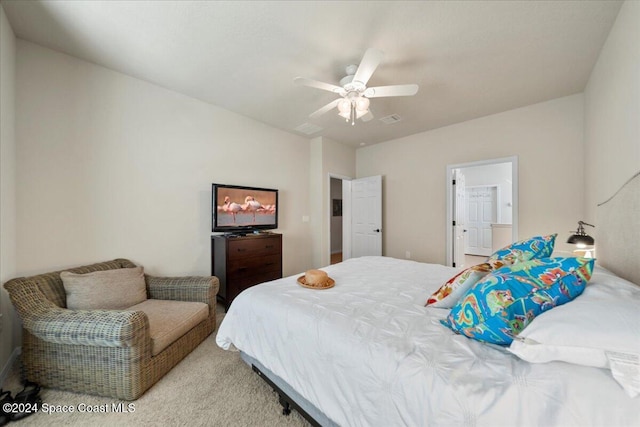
[102, 352]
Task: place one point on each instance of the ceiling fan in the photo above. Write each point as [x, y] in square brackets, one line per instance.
[354, 101]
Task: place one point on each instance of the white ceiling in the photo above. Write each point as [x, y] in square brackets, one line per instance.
[470, 58]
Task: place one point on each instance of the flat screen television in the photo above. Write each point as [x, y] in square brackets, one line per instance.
[242, 209]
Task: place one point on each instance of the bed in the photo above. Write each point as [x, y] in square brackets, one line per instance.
[367, 352]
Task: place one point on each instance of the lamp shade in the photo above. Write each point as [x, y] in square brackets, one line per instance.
[580, 237]
[344, 106]
[362, 104]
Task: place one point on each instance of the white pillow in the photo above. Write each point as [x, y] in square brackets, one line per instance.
[600, 328]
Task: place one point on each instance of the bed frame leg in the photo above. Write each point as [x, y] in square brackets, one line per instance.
[286, 407]
[287, 403]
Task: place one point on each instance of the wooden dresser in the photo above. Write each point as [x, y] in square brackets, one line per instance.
[240, 262]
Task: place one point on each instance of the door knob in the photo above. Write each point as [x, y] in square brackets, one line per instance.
[377, 230]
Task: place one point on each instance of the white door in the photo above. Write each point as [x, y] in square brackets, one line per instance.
[458, 218]
[481, 213]
[366, 216]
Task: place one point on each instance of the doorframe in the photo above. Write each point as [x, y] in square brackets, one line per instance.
[449, 199]
[346, 214]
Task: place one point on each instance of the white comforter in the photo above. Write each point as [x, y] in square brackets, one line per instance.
[368, 353]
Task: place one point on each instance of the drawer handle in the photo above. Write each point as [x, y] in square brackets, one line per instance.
[242, 269]
[241, 249]
[269, 263]
[268, 246]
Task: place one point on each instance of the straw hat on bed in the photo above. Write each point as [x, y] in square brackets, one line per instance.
[316, 279]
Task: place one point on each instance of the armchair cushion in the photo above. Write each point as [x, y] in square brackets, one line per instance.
[169, 320]
[107, 290]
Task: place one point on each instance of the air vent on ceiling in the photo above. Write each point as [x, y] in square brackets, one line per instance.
[391, 119]
[308, 128]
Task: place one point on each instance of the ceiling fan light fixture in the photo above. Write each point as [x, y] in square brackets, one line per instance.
[362, 104]
[344, 106]
[346, 115]
[354, 95]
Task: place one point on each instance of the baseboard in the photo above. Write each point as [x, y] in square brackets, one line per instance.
[7, 367]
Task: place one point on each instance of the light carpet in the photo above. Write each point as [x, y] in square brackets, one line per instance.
[210, 387]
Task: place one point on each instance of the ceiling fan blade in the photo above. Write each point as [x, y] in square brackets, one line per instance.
[367, 117]
[324, 109]
[368, 65]
[395, 90]
[319, 85]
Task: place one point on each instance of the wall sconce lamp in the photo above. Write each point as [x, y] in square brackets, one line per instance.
[582, 240]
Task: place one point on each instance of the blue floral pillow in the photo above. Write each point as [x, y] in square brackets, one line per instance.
[524, 250]
[504, 302]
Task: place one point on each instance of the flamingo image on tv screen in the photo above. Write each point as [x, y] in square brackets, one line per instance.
[238, 208]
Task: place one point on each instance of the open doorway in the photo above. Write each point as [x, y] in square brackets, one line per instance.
[355, 217]
[482, 209]
[335, 222]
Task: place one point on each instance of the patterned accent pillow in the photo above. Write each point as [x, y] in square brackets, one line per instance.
[524, 250]
[449, 293]
[502, 304]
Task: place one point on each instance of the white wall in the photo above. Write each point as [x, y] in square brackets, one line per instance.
[8, 323]
[112, 166]
[546, 137]
[612, 112]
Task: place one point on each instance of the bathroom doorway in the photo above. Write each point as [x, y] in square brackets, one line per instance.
[482, 209]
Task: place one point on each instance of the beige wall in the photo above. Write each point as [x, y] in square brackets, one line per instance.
[612, 112]
[316, 189]
[546, 137]
[112, 166]
[8, 322]
[328, 158]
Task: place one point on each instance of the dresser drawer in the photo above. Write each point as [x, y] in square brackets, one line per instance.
[241, 248]
[246, 282]
[247, 266]
[240, 262]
